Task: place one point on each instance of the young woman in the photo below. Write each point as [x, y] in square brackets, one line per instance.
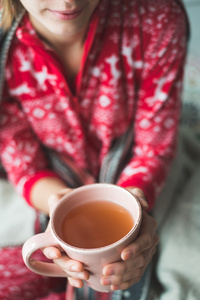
[84, 82]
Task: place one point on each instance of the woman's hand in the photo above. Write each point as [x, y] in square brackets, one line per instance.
[74, 270]
[136, 256]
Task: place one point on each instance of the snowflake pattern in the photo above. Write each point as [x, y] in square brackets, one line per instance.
[136, 76]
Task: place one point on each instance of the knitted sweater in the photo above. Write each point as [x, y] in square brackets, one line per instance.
[130, 78]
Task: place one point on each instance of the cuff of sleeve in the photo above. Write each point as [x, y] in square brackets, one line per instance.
[29, 184]
[148, 189]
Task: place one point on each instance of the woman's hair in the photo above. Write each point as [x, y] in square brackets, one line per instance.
[9, 9]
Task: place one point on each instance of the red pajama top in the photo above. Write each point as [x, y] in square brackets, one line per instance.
[132, 69]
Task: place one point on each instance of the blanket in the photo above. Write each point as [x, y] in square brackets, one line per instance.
[177, 263]
[16, 217]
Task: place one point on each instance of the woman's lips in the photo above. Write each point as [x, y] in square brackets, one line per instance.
[66, 15]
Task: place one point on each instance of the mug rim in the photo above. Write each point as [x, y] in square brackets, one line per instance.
[99, 249]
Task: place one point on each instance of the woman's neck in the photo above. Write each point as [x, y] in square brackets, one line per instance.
[59, 40]
[68, 48]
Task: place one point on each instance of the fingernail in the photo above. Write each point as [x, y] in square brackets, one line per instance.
[109, 271]
[81, 275]
[73, 282]
[74, 269]
[106, 281]
[52, 255]
[127, 254]
[115, 287]
[53, 199]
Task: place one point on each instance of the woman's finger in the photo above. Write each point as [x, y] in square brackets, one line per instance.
[78, 283]
[146, 239]
[124, 267]
[52, 252]
[64, 192]
[54, 198]
[140, 195]
[73, 268]
[131, 272]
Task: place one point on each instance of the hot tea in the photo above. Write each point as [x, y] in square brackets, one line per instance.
[82, 220]
[96, 224]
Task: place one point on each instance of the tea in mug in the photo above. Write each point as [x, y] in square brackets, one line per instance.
[96, 224]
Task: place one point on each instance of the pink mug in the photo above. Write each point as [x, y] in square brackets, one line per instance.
[94, 259]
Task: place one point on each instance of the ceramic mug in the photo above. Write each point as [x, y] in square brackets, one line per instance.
[94, 259]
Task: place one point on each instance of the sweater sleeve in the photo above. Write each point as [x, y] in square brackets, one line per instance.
[20, 151]
[158, 105]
